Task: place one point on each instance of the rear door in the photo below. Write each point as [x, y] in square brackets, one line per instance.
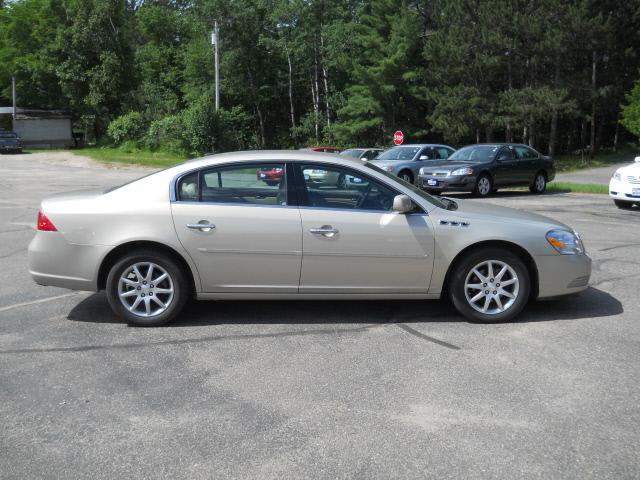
[354, 243]
[528, 160]
[239, 228]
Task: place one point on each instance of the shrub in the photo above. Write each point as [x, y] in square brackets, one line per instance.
[130, 126]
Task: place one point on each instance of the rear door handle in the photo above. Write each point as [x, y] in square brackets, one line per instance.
[202, 225]
[325, 230]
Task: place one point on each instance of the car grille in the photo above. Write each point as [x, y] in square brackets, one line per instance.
[436, 174]
[632, 179]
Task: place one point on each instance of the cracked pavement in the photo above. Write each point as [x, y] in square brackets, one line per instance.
[296, 389]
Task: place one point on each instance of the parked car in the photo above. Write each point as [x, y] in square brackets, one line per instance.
[362, 153]
[484, 168]
[10, 142]
[405, 160]
[208, 229]
[322, 149]
[270, 176]
[624, 186]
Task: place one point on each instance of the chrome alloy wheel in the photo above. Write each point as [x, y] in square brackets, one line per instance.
[484, 186]
[540, 182]
[491, 287]
[145, 289]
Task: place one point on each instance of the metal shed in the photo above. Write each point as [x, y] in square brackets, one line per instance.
[42, 128]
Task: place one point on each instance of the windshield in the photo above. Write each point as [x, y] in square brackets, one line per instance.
[352, 152]
[399, 153]
[8, 135]
[478, 153]
[421, 193]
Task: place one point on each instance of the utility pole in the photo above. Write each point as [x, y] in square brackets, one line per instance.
[14, 100]
[214, 42]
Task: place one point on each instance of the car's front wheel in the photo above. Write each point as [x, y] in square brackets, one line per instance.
[622, 204]
[484, 186]
[406, 175]
[147, 288]
[490, 285]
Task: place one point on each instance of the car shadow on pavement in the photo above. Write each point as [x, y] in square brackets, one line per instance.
[592, 303]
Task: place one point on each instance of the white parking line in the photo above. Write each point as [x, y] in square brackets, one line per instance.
[41, 300]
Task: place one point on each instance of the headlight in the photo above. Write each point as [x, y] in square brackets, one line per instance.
[567, 243]
[462, 171]
[617, 176]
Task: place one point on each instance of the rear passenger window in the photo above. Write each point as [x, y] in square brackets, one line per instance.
[525, 153]
[263, 184]
[444, 153]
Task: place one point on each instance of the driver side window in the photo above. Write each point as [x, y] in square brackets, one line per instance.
[327, 186]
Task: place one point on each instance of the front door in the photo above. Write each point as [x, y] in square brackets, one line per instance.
[354, 243]
[236, 225]
[507, 168]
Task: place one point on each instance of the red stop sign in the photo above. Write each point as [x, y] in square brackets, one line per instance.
[398, 138]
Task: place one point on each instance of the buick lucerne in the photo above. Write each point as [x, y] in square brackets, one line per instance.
[213, 229]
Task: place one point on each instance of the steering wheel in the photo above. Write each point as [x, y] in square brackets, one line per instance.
[364, 196]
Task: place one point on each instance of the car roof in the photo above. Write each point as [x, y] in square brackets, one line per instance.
[268, 155]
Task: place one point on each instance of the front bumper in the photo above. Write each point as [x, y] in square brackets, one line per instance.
[464, 183]
[562, 274]
[55, 262]
[623, 190]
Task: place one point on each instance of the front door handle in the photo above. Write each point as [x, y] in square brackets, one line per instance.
[202, 225]
[325, 230]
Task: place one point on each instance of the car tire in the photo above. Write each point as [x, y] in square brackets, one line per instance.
[406, 175]
[539, 184]
[484, 186]
[508, 294]
[622, 204]
[172, 291]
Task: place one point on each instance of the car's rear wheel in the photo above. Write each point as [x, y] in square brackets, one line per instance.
[491, 285]
[484, 186]
[622, 204]
[147, 288]
[406, 175]
[539, 184]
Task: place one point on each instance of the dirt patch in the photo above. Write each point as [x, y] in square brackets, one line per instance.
[70, 159]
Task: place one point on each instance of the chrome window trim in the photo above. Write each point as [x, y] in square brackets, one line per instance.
[173, 185]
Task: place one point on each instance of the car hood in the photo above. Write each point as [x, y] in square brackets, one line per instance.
[449, 164]
[495, 213]
[389, 163]
[633, 169]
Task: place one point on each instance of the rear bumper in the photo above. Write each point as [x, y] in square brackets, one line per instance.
[562, 274]
[462, 183]
[55, 262]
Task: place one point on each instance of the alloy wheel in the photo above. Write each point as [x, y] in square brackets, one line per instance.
[491, 287]
[145, 289]
[484, 186]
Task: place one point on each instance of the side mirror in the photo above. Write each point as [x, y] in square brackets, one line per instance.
[502, 158]
[402, 204]
[637, 160]
[423, 157]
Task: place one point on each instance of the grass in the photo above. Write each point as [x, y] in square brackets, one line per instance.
[135, 157]
[564, 187]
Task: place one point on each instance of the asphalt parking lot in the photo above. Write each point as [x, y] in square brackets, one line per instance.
[317, 389]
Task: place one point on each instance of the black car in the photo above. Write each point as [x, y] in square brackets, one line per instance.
[484, 168]
[9, 142]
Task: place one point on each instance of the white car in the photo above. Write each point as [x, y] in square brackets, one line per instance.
[624, 186]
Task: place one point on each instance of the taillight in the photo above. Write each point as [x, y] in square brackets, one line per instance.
[44, 224]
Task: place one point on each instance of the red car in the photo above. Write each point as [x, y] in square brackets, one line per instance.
[271, 175]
